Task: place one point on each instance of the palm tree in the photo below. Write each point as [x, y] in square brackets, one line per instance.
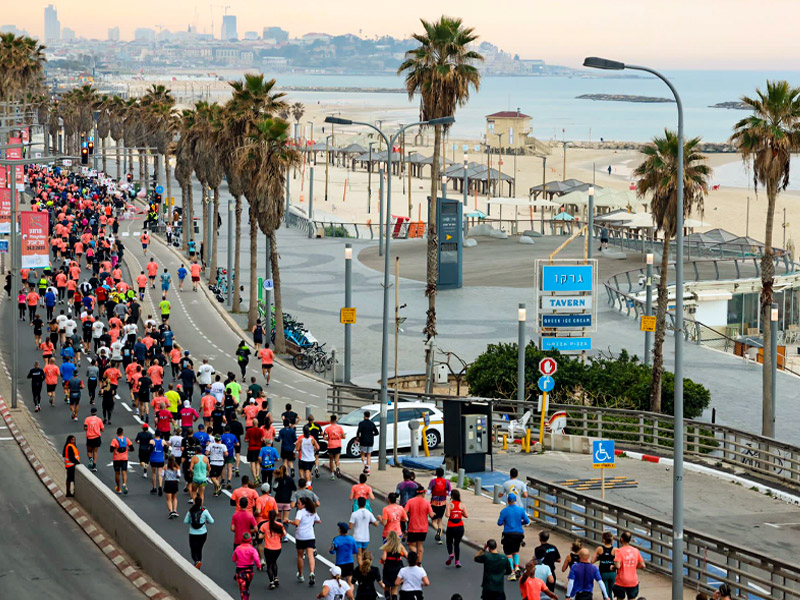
[186, 155]
[298, 110]
[658, 177]
[441, 70]
[767, 138]
[266, 159]
[21, 67]
[103, 127]
[212, 167]
[116, 113]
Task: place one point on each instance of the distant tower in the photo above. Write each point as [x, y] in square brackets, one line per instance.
[113, 34]
[229, 28]
[52, 26]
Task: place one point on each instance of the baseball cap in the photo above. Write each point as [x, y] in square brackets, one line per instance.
[145, 426]
[512, 497]
[217, 437]
[265, 488]
[246, 537]
[186, 403]
[343, 525]
[335, 571]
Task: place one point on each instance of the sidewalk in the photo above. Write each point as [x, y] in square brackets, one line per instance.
[482, 525]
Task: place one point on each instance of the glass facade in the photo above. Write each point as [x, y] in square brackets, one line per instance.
[744, 314]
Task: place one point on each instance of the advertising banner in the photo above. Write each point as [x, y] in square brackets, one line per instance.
[5, 210]
[35, 249]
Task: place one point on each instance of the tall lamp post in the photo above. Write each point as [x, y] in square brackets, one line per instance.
[678, 448]
[327, 163]
[465, 182]
[348, 302]
[590, 226]
[312, 141]
[648, 308]
[386, 285]
[369, 179]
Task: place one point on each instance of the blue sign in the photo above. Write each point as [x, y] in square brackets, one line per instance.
[566, 320]
[546, 383]
[602, 452]
[3, 246]
[567, 278]
[567, 344]
[159, 189]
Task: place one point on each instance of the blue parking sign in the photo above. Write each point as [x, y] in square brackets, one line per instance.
[603, 454]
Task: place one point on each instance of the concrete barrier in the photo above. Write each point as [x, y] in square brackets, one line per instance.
[155, 556]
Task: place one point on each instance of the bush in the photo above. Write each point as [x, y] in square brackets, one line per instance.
[616, 382]
[336, 231]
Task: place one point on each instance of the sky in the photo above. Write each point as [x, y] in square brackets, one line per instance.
[670, 34]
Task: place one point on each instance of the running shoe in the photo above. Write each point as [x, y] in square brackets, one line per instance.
[316, 472]
[458, 564]
[311, 580]
[276, 582]
[198, 564]
[512, 577]
[333, 477]
[449, 560]
[160, 491]
[300, 577]
[271, 586]
[338, 472]
[117, 489]
[125, 489]
[439, 536]
[154, 491]
[292, 472]
[228, 487]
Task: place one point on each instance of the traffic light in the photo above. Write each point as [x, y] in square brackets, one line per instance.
[84, 156]
[90, 146]
[158, 198]
[130, 177]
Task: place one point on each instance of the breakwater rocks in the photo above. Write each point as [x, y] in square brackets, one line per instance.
[705, 147]
[624, 98]
[736, 105]
[344, 90]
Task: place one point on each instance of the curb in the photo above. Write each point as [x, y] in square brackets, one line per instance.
[130, 571]
[231, 322]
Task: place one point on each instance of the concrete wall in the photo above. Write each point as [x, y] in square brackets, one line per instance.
[171, 570]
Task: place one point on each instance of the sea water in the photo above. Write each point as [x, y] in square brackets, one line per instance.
[552, 104]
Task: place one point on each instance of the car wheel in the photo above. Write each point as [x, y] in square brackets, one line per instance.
[353, 449]
[433, 438]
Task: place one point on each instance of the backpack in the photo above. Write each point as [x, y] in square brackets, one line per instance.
[439, 487]
[196, 517]
[122, 444]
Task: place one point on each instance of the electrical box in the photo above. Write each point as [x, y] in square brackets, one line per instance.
[441, 374]
[476, 434]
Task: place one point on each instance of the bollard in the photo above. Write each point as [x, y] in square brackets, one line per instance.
[478, 486]
[496, 493]
[528, 441]
[505, 441]
[269, 404]
[460, 480]
[308, 412]
[413, 425]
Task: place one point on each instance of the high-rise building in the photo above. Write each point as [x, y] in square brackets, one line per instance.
[229, 28]
[251, 35]
[68, 35]
[113, 34]
[281, 36]
[144, 34]
[52, 26]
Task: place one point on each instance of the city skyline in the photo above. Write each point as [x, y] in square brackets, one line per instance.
[691, 35]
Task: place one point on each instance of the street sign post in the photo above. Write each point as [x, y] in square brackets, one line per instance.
[603, 457]
[159, 189]
[565, 312]
[546, 384]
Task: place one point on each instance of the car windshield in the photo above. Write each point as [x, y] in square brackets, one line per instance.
[353, 418]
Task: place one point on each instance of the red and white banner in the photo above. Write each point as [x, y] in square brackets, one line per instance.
[16, 153]
[35, 248]
[5, 210]
[3, 176]
[26, 135]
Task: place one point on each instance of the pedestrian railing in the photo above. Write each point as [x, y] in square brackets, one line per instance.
[707, 561]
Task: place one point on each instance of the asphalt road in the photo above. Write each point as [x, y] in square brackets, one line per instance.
[45, 554]
[199, 328]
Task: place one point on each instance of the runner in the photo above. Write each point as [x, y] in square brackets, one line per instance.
[393, 517]
[334, 434]
[316, 433]
[199, 468]
[306, 448]
[158, 451]
[188, 416]
[366, 576]
[145, 239]
[172, 475]
[548, 555]
[335, 589]
[418, 509]
[181, 276]
[93, 427]
[242, 354]
[246, 558]
[284, 487]
[439, 489]
[361, 520]
[365, 434]
[37, 377]
[412, 579]
[242, 522]
[582, 576]
[604, 557]
[258, 335]
[75, 385]
[197, 518]
[268, 458]
[532, 588]
[166, 280]
[627, 560]
[345, 548]
[512, 519]
[361, 490]
[456, 513]
[141, 282]
[195, 269]
[165, 306]
[305, 540]
[255, 441]
[267, 357]
[217, 453]
[143, 438]
[120, 446]
[232, 445]
[495, 568]
[272, 532]
[287, 436]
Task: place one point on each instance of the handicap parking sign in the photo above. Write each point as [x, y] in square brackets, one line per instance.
[603, 454]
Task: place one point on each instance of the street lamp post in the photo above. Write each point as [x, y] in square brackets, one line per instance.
[388, 237]
[590, 226]
[312, 141]
[522, 316]
[327, 164]
[466, 179]
[648, 308]
[678, 448]
[369, 179]
[348, 302]
[500, 168]
[311, 203]
[773, 316]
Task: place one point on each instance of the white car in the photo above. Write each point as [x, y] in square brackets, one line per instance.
[407, 411]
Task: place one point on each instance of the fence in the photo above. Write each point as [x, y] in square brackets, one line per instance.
[707, 561]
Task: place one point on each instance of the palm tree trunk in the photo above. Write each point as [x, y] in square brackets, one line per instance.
[141, 169]
[661, 329]
[204, 204]
[167, 178]
[103, 150]
[214, 232]
[252, 310]
[117, 157]
[237, 262]
[280, 338]
[433, 243]
[187, 215]
[146, 185]
[767, 281]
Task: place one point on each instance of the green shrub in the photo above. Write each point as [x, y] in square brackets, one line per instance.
[622, 381]
[336, 231]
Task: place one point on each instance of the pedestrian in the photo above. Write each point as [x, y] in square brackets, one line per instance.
[107, 395]
[514, 485]
[495, 568]
[158, 453]
[255, 441]
[366, 576]
[336, 588]
[272, 532]
[361, 519]
[334, 434]
[284, 488]
[362, 490]
[242, 522]
[246, 559]
[412, 579]
[287, 436]
[198, 518]
[582, 577]
[418, 509]
[316, 433]
[604, 557]
[365, 435]
[392, 560]
[305, 540]
[531, 587]
[439, 489]
[166, 280]
[217, 453]
[548, 555]
[268, 458]
[36, 375]
[71, 459]
[165, 306]
[93, 426]
[172, 475]
[143, 438]
[345, 549]
[182, 272]
[120, 447]
[512, 519]
[456, 512]
[627, 560]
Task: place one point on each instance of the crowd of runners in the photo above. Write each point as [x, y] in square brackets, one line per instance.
[197, 426]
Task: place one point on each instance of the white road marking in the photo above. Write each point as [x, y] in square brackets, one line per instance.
[126, 407]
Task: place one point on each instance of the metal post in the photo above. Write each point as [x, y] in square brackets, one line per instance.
[348, 302]
[396, 336]
[500, 169]
[380, 204]
[327, 166]
[269, 292]
[522, 316]
[230, 250]
[311, 203]
[648, 309]
[369, 180]
[774, 365]
[16, 281]
[385, 332]
[466, 180]
[590, 228]
[288, 193]
[209, 226]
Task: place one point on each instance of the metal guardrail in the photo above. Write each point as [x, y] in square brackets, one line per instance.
[707, 561]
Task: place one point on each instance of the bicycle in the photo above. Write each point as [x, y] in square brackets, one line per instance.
[313, 355]
[751, 457]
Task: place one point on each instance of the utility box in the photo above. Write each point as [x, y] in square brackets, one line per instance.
[442, 374]
[449, 225]
[467, 434]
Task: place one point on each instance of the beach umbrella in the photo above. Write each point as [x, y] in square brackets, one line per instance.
[476, 214]
[563, 216]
